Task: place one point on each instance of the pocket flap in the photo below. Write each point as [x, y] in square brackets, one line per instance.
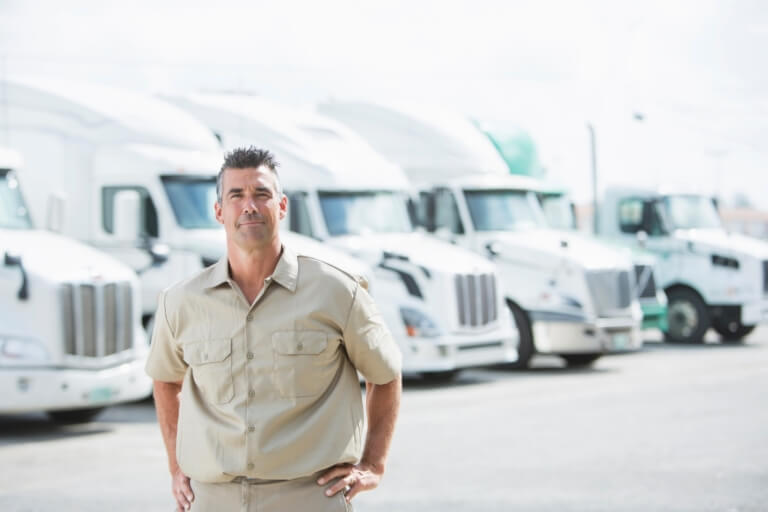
[299, 342]
[208, 351]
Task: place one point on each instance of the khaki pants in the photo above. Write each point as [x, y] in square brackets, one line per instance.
[242, 495]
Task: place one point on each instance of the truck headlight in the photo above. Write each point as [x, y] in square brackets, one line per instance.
[418, 324]
[16, 350]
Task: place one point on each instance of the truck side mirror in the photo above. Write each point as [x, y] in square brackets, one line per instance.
[445, 235]
[126, 215]
[55, 213]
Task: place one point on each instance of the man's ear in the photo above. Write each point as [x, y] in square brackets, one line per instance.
[217, 211]
[283, 206]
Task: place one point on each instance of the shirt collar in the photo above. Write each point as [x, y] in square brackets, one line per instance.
[286, 272]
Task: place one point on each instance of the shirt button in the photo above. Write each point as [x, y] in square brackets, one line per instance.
[251, 393]
[250, 316]
[249, 355]
[205, 357]
[251, 429]
[300, 346]
[250, 466]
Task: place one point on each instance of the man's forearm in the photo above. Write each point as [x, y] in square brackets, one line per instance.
[167, 407]
[382, 404]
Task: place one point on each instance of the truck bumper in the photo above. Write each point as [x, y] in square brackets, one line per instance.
[603, 336]
[47, 389]
[654, 315]
[756, 312]
[454, 352]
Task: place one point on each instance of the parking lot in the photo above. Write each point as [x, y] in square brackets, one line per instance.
[674, 427]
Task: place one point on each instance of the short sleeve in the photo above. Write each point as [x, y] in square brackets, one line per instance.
[165, 362]
[369, 343]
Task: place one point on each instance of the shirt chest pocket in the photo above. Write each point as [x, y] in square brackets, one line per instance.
[211, 363]
[304, 364]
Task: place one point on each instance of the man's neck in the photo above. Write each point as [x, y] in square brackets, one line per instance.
[249, 268]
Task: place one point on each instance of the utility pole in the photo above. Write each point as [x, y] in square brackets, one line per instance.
[593, 151]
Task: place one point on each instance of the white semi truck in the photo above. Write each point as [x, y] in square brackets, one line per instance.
[131, 176]
[71, 341]
[442, 303]
[712, 278]
[559, 212]
[569, 296]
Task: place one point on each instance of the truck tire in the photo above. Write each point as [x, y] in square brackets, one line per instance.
[526, 348]
[731, 331]
[580, 360]
[73, 416]
[687, 317]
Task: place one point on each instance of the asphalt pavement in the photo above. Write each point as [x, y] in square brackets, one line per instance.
[671, 428]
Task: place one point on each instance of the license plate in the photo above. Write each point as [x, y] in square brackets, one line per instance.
[100, 394]
[620, 341]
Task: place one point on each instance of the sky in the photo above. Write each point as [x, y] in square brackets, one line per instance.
[676, 91]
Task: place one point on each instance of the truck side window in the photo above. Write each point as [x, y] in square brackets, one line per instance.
[148, 211]
[447, 212]
[631, 215]
[298, 214]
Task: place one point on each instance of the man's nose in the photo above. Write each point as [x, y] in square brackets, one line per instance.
[250, 205]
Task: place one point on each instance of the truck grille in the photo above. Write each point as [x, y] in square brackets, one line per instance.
[97, 319]
[645, 284]
[765, 277]
[611, 290]
[476, 299]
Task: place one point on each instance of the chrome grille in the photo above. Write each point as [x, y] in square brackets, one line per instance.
[611, 291]
[645, 284]
[476, 299]
[765, 277]
[97, 320]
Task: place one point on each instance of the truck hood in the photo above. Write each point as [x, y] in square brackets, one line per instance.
[61, 259]
[727, 244]
[212, 244]
[417, 248]
[544, 246]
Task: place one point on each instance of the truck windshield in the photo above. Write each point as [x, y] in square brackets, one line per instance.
[690, 212]
[192, 200]
[557, 211]
[13, 212]
[503, 210]
[353, 213]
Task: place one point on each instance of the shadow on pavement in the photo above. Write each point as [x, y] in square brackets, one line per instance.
[707, 345]
[37, 427]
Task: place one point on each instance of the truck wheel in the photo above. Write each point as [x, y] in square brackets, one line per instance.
[525, 349]
[580, 360]
[73, 416]
[731, 331]
[687, 317]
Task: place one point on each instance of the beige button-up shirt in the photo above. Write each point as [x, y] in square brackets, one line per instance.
[270, 389]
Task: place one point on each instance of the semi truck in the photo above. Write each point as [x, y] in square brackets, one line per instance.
[712, 278]
[559, 212]
[71, 341]
[569, 296]
[130, 175]
[442, 303]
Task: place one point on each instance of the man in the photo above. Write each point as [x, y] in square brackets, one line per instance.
[255, 362]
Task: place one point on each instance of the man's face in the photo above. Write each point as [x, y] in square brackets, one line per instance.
[250, 208]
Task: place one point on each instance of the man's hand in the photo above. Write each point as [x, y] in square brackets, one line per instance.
[182, 491]
[353, 477]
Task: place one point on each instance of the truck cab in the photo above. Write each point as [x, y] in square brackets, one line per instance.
[712, 278]
[71, 341]
[442, 303]
[569, 296]
[128, 174]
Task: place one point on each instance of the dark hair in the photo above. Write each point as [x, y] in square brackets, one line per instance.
[245, 158]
